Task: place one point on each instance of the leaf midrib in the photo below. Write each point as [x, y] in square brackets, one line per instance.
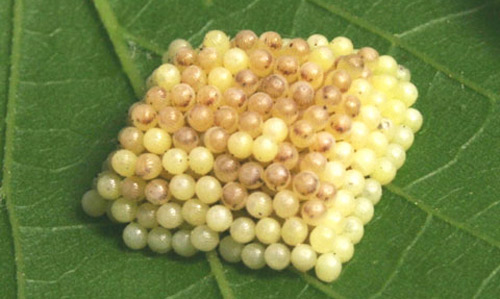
[15, 57]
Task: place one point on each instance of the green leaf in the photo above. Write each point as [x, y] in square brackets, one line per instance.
[74, 67]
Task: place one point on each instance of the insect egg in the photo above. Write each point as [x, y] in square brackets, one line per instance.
[143, 116]
[261, 103]
[234, 196]
[288, 67]
[209, 96]
[157, 191]
[186, 139]
[298, 48]
[215, 139]
[194, 76]
[311, 73]
[131, 138]
[185, 57]
[170, 119]
[226, 168]
[209, 58]
[157, 97]
[261, 62]
[277, 176]
[306, 184]
[286, 109]
[250, 175]
[245, 39]
[303, 94]
[312, 211]
[340, 79]
[247, 81]
[266, 150]
[227, 118]
[183, 97]
[271, 40]
[274, 85]
[200, 118]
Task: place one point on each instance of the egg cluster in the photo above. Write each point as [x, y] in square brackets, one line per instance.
[271, 150]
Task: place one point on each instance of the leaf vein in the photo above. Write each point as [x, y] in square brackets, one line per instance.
[14, 74]
[462, 254]
[180, 293]
[44, 199]
[63, 168]
[457, 155]
[439, 200]
[201, 31]
[139, 13]
[361, 23]
[64, 81]
[112, 27]
[295, 17]
[369, 10]
[303, 291]
[436, 213]
[441, 20]
[58, 279]
[484, 210]
[142, 42]
[486, 281]
[403, 256]
[211, 21]
[320, 286]
[63, 228]
[220, 276]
